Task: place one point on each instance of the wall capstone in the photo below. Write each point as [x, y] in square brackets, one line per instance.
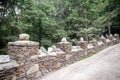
[24, 37]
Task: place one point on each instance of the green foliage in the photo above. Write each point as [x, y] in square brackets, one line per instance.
[47, 21]
[92, 33]
[114, 10]
[46, 42]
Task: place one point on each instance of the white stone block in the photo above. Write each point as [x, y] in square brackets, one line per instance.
[64, 39]
[4, 58]
[50, 49]
[81, 39]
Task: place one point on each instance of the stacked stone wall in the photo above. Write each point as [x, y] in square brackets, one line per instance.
[34, 66]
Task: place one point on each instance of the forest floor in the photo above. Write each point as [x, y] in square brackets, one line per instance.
[104, 65]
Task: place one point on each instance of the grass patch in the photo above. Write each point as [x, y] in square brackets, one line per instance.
[90, 54]
[86, 56]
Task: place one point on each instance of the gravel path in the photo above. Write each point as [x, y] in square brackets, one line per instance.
[103, 66]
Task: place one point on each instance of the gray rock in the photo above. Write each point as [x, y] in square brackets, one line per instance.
[100, 42]
[38, 74]
[34, 68]
[107, 35]
[108, 40]
[43, 50]
[40, 52]
[53, 46]
[50, 49]
[53, 53]
[114, 39]
[90, 46]
[76, 48]
[34, 57]
[102, 37]
[42, 55]
[115, 34]
[4, 58]
[9, 65]
[111, 35]
[55, 49]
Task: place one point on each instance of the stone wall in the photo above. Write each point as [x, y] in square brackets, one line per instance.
[9, 70]
[34, 65]
[23, 52]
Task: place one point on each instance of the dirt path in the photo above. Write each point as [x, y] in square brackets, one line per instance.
[103, 66]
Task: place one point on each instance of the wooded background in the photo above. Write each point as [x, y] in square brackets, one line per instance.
[47, 21]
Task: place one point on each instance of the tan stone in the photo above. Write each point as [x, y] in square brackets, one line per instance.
[34, 57]
[14, 78]
[38, 74]
[64, 46]
[24, 37]
[68, 57]
[33, 69]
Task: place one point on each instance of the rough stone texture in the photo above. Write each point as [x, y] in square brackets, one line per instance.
[33, 69]
[24, 53]
[14, 78]
[76, 48]
[101, 45]
[43, 50]
[94, 42]
[9, 70]
[64, 46]
[4, 58]
[36, 63]
[109, 42]
[102, 66]
[9, 65]
[19, 50]
[117, 37]
[103, 39]
[50, 63]
[110, 37]
[115, 41]
[90, 48]
[74, 56]
[83, 45]
[8, 74]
